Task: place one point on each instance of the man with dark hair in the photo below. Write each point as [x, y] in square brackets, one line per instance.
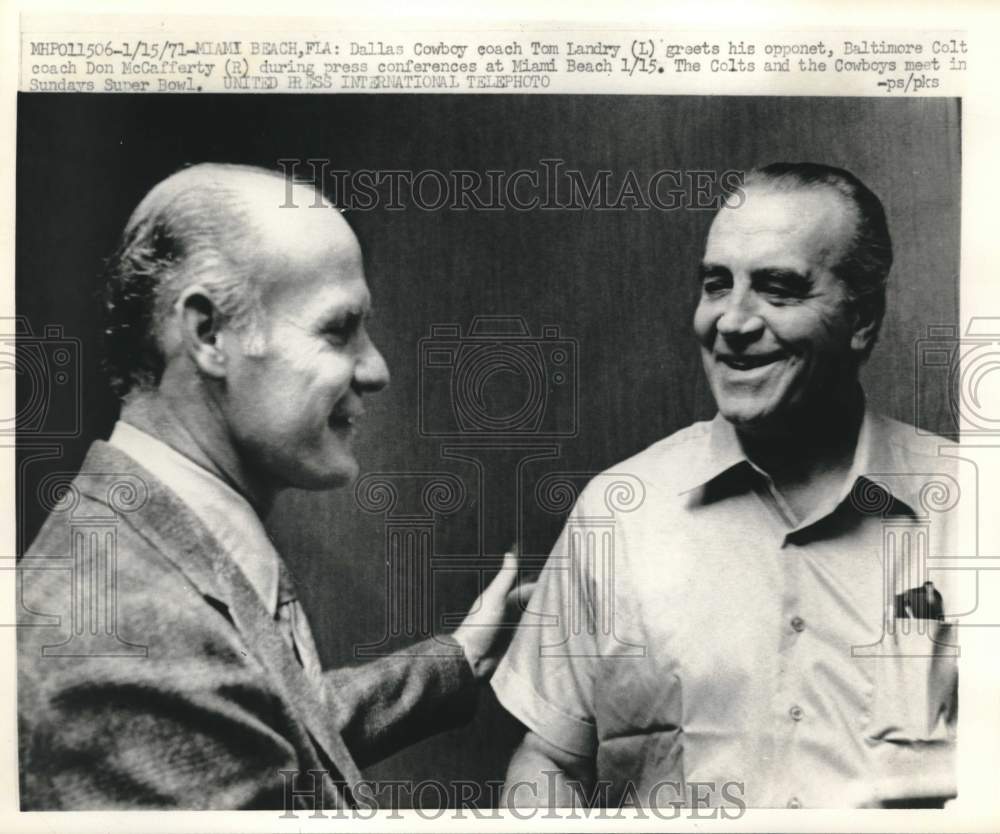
[237, 339]
[736, 640]
[865, 264]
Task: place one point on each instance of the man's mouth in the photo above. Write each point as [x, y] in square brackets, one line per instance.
[348, 420]
[747, 361]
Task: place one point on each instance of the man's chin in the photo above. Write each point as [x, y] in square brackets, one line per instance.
[752, 421]
[333, 477]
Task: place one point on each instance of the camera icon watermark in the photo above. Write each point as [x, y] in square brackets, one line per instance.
[47, 369]
[498, 380]
[86, 620]
[963, 365]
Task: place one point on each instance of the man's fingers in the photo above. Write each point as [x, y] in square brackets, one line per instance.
[505, 578]
[520, 595]
[510, 559]
[488, 627]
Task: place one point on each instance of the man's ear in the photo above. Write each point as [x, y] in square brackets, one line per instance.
[200, 331]
[867, 311]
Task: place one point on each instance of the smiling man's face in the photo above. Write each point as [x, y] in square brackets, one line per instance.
[291, 407]
[778, 335]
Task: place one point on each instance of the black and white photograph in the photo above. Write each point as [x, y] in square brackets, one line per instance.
[427, 422]
[452, 451]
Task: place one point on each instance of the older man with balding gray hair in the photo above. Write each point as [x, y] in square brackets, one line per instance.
[237, 340]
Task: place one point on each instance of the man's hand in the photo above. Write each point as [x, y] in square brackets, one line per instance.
[489, 626]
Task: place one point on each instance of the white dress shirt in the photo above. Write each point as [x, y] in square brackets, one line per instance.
[234, 523]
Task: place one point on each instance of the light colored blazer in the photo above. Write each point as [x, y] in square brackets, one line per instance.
[212, 705]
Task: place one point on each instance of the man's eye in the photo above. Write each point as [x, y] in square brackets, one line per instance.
[337, 335]
[780, 291]
[714, 286]
[341, 330]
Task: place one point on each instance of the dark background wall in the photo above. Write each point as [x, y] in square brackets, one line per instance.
[619, 286]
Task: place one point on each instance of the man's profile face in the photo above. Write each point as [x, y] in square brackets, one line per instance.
[773, 320]
[290, 408]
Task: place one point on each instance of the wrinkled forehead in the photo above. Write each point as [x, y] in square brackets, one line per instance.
[302, 245]
[817, 224]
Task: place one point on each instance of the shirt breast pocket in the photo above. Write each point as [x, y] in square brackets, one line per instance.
[914, 697]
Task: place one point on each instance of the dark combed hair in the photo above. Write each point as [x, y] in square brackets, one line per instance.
[189, 227]
[864, 267]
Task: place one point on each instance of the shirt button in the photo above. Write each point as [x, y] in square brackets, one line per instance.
[798, 624]
[793, 803]
[796, 713]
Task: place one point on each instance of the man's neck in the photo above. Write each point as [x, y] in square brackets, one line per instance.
[198, 437]
[809, 461]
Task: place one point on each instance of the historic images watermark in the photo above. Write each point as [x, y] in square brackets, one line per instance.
[47, 369]
[45, 363]
[86, 622]
[552, 185]
[48, 410]
[962, 364]
[943, 540]
[933, 553]
[498, 395]
[432, 799]
[540, 373]
[538, 368]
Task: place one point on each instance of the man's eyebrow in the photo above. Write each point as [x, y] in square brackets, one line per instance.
[348, 314]
[710, 270]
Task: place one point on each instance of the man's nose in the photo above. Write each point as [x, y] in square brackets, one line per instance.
[371, 372]
[740, 317]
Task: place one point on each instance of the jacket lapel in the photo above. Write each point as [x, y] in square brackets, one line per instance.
[261, 632]
[177, 533]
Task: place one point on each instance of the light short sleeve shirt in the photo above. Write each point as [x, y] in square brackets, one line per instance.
[688, 629]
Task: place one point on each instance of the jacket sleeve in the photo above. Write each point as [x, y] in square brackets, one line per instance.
[390, 703]
[114, 741]
[193, 724]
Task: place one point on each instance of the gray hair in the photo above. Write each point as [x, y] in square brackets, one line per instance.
[188, 229]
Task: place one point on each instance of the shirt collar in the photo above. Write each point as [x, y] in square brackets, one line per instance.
[225, 512]
[722, 452]
[878, 458]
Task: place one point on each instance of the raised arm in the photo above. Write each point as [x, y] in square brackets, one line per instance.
[393, 702]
